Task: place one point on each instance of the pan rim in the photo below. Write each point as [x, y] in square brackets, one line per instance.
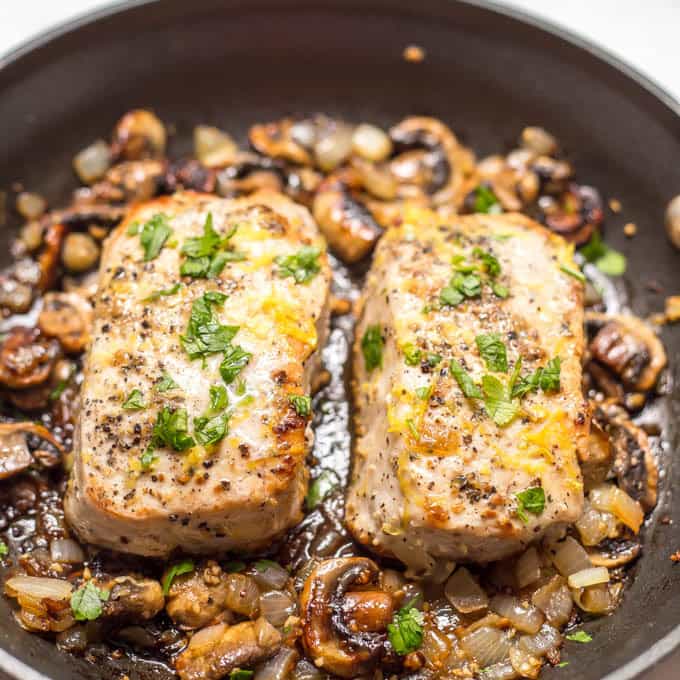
[662, 648]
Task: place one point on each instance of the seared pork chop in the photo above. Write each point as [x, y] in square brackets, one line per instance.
[470, 413]
[194, 422]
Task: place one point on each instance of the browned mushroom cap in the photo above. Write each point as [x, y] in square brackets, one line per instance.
[130, 181]
[188, 174]
[451, 167]
[131, 597]
[634, 462]
[596, 459]
[215, 651]
[339, 639]
[574, 214]
[279, 140]
[26, 358]
[15, 455]
[613, 553]
[348, 225]
[138, 134]
[248, 173]
[628, 347]
[67, 317]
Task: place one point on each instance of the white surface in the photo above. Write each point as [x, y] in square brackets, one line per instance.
[643, 33]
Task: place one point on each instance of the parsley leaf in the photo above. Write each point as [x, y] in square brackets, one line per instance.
[86, 602]
[302, 405]
[576, 273]
[485, 201]
[135, 401]
[171, 429]
[148, 458]
[450, 296]
[424, 393]
[433, 359]
[4, 550]
[580, 636]
[204, 334]
[235, 360]
[461, 286]
[562, 664]
[183, 567]
[606, 259]
[411, 354]
[490, 262]
[209, 431]
[530, 500]
[406, 630]
[165, 383]
[153, 235]
[465, 382]
[499, 290]
[241, 674]
[303, 266]
[372, 345]
[205, 257]
[500, 406]
[320, 487]
[205, 245]
[492, 350]
[547, 378]
[219, 399]
[157, 294]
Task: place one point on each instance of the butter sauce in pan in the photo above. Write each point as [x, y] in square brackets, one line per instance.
[387, 599]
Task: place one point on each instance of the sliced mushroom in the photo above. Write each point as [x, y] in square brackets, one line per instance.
[138, 134]
[574, 214]
[284, 139]
[15, 455]
[130, 181]
[248, 173]
[188, 174]
[634, 464]
[451, 168]
[348, 225]
[15, 297]
[215, 651]
[67, 317]
[26, 358]
[596, 459]
[48, 260]
[628, 347]
[131, 598]
[340, 640]
[613, 553]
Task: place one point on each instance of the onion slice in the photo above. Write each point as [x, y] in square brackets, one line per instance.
[588, 577]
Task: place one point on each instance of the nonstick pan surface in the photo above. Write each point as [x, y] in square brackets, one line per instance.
[488, 72]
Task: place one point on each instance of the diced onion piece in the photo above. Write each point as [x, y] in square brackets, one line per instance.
[525, 664]
[569, 556]
[555, 601]
[31, 206]
[243, 595]
[486, 645]
[499, 671]
[213, 147]
[306, 670]
[528, 568]
[377, 181]
[271, 575]
[38, 587]
[595, 599]
[588, 577]
[610, 498]
[92, 162]
[547, 639]
[393, 581]
[464, 593]
[595, 526]
[67, 551]
[371, 143]
[276, 607]
[527, 619]
[436, 647]
[279, 667]
[333, 149]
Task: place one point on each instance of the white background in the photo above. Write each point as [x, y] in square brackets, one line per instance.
[646, 34]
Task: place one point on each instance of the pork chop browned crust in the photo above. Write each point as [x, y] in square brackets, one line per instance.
[438, 473]
[148, 476]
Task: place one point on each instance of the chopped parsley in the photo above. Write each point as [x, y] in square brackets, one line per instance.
[432, 359]
[240, 674]
[210, 430]
[206, 256]
[204, 334]
[4, 550]
[498, 401]
[86, 602]
[464, 380]
[303, 266]
[411, 354]
[606, 259]
[546, 378]
[171, 429]
[424, 393]
[490, 262]
[147, 459]
[470, 277]
[406, 630]
[562, 664]
[320, 487]
[165, 383]
[135, 401]
[576, 273]
[485, 201]
[530, 500]
[235, 360]
[492, 350]
[219, 399]
[412, 428]
[183, 567]
[59, 389]
[499, 290]
[580, 636]
[372, 345]
[153, 235]
[302, 405]
[157, 294]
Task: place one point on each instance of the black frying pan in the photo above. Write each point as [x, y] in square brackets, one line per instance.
[488, 72]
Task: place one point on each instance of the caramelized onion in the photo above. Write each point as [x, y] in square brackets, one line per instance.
[588, 577]
[554, 600]
[270, 575]
[464, 593]
[610, 498]
[66, 550]
[547, 639]
[276, 607]
[528, 568]
[38, 587]
[486, 645]
[569, 556]
[279, 667]
[525, 618]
